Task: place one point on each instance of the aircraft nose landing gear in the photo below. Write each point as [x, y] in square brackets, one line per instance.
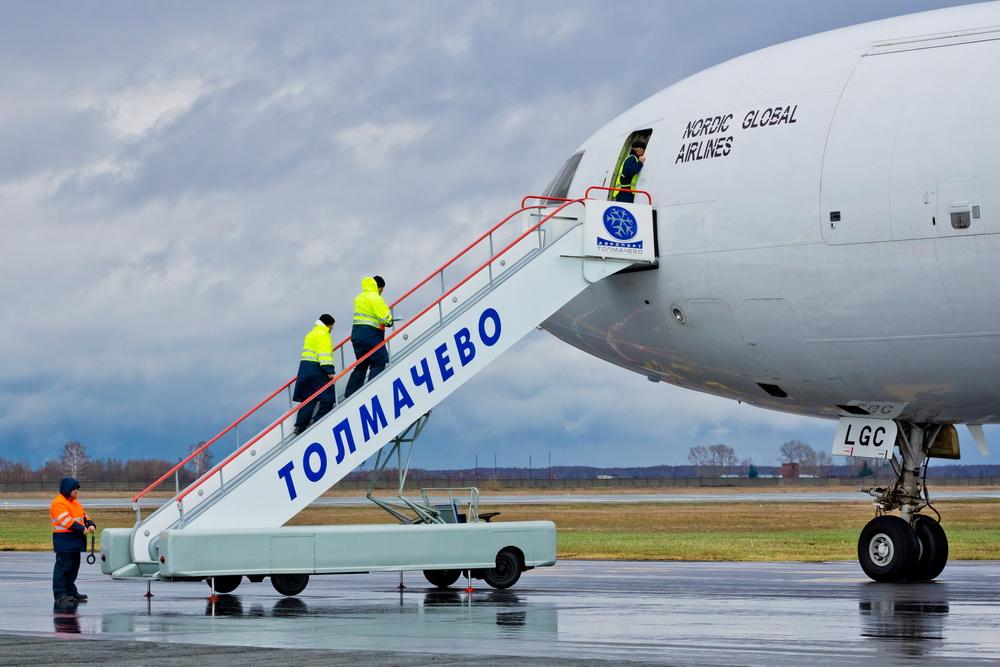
[911, 546]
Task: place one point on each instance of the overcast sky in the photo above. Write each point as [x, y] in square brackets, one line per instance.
[184, 187]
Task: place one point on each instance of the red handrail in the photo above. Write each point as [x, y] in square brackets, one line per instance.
[462, 252]
[525, 199]
[524, 207]
[341, 344]
[398, 331]
[586, 195]
[221, 433]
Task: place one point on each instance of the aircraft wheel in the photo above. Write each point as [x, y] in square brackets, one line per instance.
[507, 570]
[442, 578]
[289, 584]
[933, 548]
[887, 548]
[226, 584]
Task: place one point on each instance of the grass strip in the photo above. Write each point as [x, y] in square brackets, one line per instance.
[736, 531]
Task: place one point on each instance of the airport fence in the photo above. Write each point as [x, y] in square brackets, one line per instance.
[489, 484]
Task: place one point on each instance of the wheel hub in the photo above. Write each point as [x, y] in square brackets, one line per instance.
[881, 549]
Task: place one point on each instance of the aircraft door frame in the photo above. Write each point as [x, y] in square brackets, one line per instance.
[645, 135]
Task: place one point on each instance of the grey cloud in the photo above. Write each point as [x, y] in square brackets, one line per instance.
[187, 186]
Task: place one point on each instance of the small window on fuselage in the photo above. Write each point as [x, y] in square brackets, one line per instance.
[638, 135]
[559, 187]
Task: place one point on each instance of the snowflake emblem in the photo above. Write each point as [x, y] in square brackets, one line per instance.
[620, 223]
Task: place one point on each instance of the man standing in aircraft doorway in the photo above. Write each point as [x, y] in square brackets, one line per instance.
[371, 317]
[629, 173]
[315, 370]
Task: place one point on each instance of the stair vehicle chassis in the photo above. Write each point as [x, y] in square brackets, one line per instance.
[495, 552]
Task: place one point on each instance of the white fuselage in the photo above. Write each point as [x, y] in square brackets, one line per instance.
[829, 225]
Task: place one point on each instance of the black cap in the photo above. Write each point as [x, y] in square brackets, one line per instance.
[639, 143]
[379, 280]
[327, 319]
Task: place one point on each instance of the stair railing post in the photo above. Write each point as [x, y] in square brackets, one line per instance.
[489, 267]
[441, 302]
[392, 316]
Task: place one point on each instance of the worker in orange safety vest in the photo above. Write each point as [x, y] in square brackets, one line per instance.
[70, 527]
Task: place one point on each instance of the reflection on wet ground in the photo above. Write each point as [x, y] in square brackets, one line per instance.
[701, 613]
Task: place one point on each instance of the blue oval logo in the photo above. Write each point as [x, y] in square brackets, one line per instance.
[620, 223]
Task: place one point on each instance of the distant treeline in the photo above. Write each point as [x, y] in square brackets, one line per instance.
[98, 470]
[148, 470]
[679, 471]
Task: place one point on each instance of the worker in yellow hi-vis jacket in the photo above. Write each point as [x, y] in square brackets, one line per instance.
[371, 317]
[315, 369]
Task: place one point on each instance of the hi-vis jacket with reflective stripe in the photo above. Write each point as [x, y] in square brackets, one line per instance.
[68, 523]
[629, 174]
[318, 348]
[370, 308]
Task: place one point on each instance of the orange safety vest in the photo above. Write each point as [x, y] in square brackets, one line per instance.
[64, 512]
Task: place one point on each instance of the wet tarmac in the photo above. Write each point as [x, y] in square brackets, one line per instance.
[574, 613]
[573, 499]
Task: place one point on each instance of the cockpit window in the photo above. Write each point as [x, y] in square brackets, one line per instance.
[559, 187]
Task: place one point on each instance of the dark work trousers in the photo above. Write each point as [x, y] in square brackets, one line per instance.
[625, 197]
[364, 338]
[64, 573]
[320, 405]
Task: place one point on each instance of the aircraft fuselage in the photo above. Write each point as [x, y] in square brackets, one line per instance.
[828, 217]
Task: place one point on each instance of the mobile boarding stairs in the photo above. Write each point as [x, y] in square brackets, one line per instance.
[228, 523]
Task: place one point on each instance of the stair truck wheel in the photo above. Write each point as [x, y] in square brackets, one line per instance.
[887, 549]
[933, 548]
[289, 584]
[442, 578]
[226, 583]
[507, 570]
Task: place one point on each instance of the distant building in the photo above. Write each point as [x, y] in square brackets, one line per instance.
[789, 471]
[606, 476]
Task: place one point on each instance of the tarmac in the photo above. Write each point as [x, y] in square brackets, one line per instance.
[575, 613]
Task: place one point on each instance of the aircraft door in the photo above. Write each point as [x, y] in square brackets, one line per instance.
[633, 157]
[854, 198]
[912, 148]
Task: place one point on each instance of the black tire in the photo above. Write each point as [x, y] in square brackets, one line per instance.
[933, 549]
[289, 584]
[507, 570]
[227, 583]
[442, 578]
[887, 549]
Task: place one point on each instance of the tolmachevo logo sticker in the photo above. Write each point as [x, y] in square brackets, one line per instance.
[621, 225]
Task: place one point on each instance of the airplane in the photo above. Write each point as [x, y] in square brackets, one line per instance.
[827, 215]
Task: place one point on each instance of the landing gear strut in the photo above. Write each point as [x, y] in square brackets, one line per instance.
[911, 546]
